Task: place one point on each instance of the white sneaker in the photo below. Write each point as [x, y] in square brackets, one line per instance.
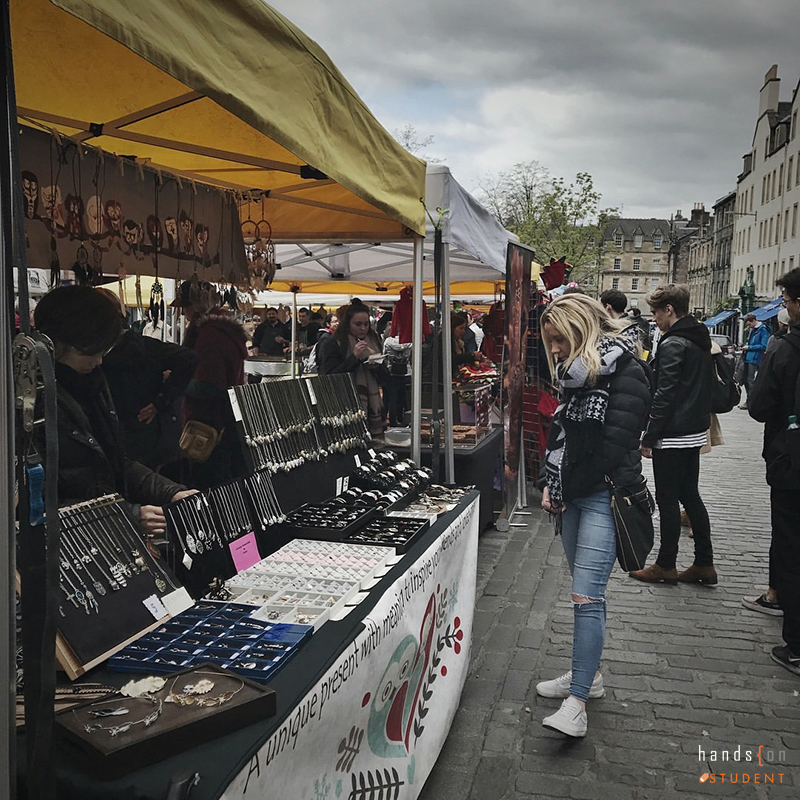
[559, 687]
[569, 719]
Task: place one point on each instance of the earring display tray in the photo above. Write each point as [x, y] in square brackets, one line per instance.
[119, 734]
[223, 634]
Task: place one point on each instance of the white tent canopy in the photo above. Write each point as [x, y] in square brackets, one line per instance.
[477, 246]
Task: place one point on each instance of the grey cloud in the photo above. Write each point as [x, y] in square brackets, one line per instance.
[665, 94]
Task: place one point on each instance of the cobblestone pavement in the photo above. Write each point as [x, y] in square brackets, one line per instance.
[686, 667]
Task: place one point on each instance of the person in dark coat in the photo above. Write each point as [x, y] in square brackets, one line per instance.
[271, 336]
[146, 401]
[84, 325]
[354, 347]
[220, 343]
[679, 420]
[773, 400]
[594, 435]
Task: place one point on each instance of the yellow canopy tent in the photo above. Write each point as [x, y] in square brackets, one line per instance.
[225, 93]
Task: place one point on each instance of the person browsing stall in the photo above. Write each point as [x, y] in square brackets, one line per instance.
[355, 347]
[84, 326]
[219, 341]
[594, 437]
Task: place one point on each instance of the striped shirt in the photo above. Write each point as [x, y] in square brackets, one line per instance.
[682, 442]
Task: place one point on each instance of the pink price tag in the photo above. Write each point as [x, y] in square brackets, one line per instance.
[244, 552]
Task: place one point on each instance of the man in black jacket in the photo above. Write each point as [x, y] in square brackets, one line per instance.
[773, 400]
[271, 336]
[679, 419]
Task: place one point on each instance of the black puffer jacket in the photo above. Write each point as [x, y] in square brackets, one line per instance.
[772, 400]
[684, 374]
[92, 458]
[618, 453]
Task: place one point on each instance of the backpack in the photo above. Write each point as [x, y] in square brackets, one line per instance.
[726, 392]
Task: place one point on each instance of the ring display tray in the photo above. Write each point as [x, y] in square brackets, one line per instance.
[118, 734]
[398, 532]
[327, 527]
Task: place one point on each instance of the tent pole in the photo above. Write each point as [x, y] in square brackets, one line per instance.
[447, 369]
[416, 356]
[294, 330]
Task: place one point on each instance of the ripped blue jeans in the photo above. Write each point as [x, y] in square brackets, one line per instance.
[587, 534]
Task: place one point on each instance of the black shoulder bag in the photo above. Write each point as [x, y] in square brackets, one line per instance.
[632, 510]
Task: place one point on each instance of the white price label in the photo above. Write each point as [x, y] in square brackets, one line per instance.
[371, 453]
[358, 460]
[237, 412]
[311, 393]
[154, 605]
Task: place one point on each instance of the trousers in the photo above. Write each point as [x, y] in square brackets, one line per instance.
[677, 473]
[587, 534]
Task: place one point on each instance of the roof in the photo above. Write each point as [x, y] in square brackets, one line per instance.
[229, 94]
[631, 225]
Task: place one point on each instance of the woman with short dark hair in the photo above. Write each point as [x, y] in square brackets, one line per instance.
[83, 326]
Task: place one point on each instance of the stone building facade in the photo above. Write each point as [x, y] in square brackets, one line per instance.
[636, 254]
[767, 212]
[724, 224]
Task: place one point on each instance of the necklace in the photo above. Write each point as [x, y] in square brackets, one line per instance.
[194, 694]
[96, 712]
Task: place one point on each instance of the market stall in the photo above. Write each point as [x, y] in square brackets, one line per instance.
[473, 255]
[180, 113]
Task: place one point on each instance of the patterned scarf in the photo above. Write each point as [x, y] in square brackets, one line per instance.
[581, 413]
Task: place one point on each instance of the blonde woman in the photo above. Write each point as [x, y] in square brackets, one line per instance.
[594, 435]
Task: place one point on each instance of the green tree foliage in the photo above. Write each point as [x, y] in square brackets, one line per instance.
[554, 217]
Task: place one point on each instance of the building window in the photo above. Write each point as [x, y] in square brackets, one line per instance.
[794, 124]
[634, 284]
[748, 239]
[657, 241]
[794, 220]
[777, 228]
[791, 263]
[615, 283]
[786, 225]
[789, 174]
[780, 181]
[769, 233]
[617, 263]
[656, 265]
[637, 264]
[654, 283]
[638, 239]
[617, 240]
[772, 183]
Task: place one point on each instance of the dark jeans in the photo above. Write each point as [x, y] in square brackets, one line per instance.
[676, 473]
[786, 547]
[750, 371]
[395, 392]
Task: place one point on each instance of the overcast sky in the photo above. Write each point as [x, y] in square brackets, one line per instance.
[656, 100]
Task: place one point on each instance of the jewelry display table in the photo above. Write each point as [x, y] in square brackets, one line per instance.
[474, 466]
[364, 707]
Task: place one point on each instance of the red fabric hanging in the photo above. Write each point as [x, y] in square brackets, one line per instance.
[403, 317]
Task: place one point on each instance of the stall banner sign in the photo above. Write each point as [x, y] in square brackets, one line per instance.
[102, 214]
[373, 726]
[519, 262]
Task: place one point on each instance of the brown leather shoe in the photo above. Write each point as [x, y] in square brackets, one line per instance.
[656, 574]
[705, 575]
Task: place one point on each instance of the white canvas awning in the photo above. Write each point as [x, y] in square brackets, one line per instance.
[476, 246]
